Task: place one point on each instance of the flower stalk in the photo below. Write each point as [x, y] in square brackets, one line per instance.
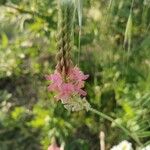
[133, 136]
[65, 34]
[67, 81]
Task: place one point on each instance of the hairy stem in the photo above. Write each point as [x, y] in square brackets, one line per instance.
[133, 136]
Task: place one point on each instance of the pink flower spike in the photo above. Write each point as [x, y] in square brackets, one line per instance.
[68, 87]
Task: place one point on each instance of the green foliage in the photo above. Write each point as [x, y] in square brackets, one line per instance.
[119, 83]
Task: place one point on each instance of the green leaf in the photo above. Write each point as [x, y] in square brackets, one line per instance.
[128, 32]
[144, 134]
[4, 40]
[79, 9]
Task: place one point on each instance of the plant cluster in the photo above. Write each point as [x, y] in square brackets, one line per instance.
[109, 41]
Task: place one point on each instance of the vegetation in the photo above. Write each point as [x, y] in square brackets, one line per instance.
[111, 44]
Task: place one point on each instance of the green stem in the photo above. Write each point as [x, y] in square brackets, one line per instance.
[134, 137]
[79, 47]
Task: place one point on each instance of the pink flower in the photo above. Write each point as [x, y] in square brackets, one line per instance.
[78, 78]
[72, 85]
[56, 81]
[66, 91]
[56, 77]
[54, 147]
[76, 74]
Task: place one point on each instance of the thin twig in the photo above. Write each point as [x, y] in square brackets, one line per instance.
[21, 10]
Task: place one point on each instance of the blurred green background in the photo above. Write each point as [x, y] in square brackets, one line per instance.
[115, 52]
